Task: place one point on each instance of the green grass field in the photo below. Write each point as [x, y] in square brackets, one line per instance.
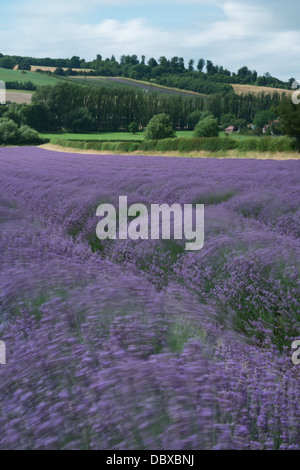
[21, 91]
[108, 136]
[7, 75]
[124, 136]
[235, 135]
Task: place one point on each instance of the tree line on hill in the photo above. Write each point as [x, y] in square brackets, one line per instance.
[243, 107]
[208, 126]
[202, 76]
[76, 108]
[15, 85]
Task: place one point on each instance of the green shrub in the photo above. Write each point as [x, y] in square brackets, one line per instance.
[185, 144]
[88, 145]
[167, 144]
[267, 144]
[9, 133]
[195, 116]
[148, 145]
[28, 136]
[80, 120]
[111, 146]
[97, 146]
[247, 145]
[264, 144]
[215, 144]
[283, 144]
[207, 127]
[123, 146]
[212, 144]
[188, 145]
[133, 127]
[159, 127]
[134, 146]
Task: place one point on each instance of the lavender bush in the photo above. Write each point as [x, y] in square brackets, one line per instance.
[139, 344]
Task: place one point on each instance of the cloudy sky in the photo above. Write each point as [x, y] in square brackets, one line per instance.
[265, 36]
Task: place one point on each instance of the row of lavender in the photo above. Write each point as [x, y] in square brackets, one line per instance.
[195, 356]
[249, 266]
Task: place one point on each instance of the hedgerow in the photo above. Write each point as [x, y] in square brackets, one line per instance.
[184, 145]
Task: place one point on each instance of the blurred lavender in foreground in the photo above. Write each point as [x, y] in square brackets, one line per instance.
[138, 344]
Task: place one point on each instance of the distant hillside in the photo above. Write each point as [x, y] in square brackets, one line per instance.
[143, 86]
[18, 80]
[21, 76]
[201, 76]
[43, 68]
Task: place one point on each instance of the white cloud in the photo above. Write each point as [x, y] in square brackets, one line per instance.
[43, 38]
[242, 22]
[37, 7]
[248, 34]
[129, 37]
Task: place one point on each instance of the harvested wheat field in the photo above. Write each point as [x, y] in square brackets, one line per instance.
[256, 90]
[19, 98]
[44, 68]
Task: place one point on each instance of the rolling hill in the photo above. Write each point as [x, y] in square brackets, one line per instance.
[40, 79]
[8, 75]
[122, 82]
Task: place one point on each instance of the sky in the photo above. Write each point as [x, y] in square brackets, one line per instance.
[265, 36]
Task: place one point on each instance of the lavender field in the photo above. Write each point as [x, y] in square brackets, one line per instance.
[123, 344]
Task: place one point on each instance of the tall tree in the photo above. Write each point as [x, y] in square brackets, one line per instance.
[289, 114]
[209, 66]
[191, 65]
[200, 64]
